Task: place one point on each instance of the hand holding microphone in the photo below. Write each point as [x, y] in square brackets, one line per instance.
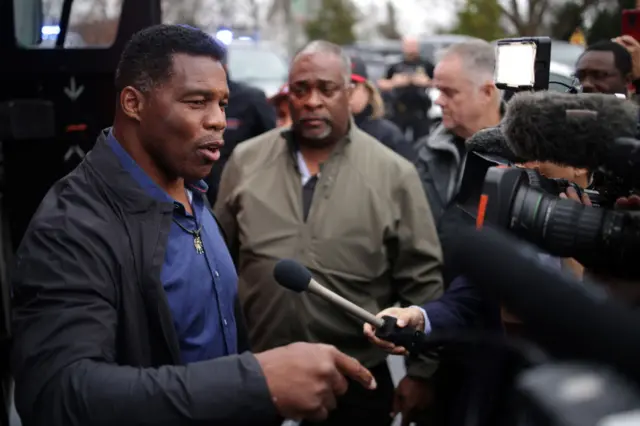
[292, 275]
[411, 317]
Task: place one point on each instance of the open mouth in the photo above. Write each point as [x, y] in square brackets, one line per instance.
[211, 152]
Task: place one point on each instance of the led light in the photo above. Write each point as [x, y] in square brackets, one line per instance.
[225, 36]
[50, 30]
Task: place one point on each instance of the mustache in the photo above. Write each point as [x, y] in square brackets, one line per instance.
[314, 118]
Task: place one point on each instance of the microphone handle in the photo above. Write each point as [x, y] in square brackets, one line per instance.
[350, 307]
[415, 341]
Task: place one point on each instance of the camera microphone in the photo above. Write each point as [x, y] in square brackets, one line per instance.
[572, 130]
[492, 142]
[293, 276]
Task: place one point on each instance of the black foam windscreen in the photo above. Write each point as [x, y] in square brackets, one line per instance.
[567, 129]
[492, 141]
[292, 275]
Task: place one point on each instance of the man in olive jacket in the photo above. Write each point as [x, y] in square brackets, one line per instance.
[344, 205]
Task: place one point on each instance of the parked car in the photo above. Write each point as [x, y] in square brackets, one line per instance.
[380, 55]
[431, 45]
[561, 77]
[258, 64]
[565, 53]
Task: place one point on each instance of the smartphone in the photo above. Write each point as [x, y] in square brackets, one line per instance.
[631, 23]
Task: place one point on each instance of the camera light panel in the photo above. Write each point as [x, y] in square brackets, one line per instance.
[515, 65]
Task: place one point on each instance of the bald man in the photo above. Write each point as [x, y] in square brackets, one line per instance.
[407, 82]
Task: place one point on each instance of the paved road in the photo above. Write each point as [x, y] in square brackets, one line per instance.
[396, 365]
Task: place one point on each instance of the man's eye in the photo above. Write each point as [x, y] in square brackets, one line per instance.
[199, 102]
[224, 105]
[299, 90]
[329, 89]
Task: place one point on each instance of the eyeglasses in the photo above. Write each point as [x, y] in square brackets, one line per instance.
[593, 74]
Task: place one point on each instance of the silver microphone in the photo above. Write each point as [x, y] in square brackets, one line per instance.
[292, 275]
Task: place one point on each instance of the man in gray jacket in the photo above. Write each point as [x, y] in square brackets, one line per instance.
[470, 102]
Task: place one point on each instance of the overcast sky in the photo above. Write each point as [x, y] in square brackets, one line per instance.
[414, 16]
[418, 16]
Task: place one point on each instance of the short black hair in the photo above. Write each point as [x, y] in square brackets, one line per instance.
[622, 57]
[147, 57]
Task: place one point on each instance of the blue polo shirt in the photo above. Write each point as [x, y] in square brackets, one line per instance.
[201, 288]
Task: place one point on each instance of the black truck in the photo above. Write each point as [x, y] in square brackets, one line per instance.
[55, 96]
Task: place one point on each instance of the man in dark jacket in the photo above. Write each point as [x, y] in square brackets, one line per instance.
[408, 81]
[124, 290]
[470, 101]
[249, 114]
[367, 108]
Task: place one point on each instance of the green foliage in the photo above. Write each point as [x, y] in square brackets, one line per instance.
[608, 22]
[334, 22]
[567, 17]
[480, 18]
[389, 29]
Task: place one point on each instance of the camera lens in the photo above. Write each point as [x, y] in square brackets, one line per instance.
[557, 224]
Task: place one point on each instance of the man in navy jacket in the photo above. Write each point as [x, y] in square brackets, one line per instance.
[124, 290]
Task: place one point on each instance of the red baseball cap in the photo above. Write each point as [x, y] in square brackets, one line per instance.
[358, 70]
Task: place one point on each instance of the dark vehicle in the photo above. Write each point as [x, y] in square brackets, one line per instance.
[431, 45]
[57, 94]
[377, 56]
[376, 63]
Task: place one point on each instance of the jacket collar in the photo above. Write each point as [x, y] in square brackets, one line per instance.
[442, 139]
[292, 145]
[363, 115]
[121, 185]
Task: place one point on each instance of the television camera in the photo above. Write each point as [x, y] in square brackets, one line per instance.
[591, 132]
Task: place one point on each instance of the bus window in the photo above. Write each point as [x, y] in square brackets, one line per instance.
[92, 23]
[28, 19]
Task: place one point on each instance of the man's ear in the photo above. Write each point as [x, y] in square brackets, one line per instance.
[132, 102]
[489, 90]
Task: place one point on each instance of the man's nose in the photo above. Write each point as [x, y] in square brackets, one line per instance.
[588, 85]
[314, 100]
[440, 101]
[216, 119]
